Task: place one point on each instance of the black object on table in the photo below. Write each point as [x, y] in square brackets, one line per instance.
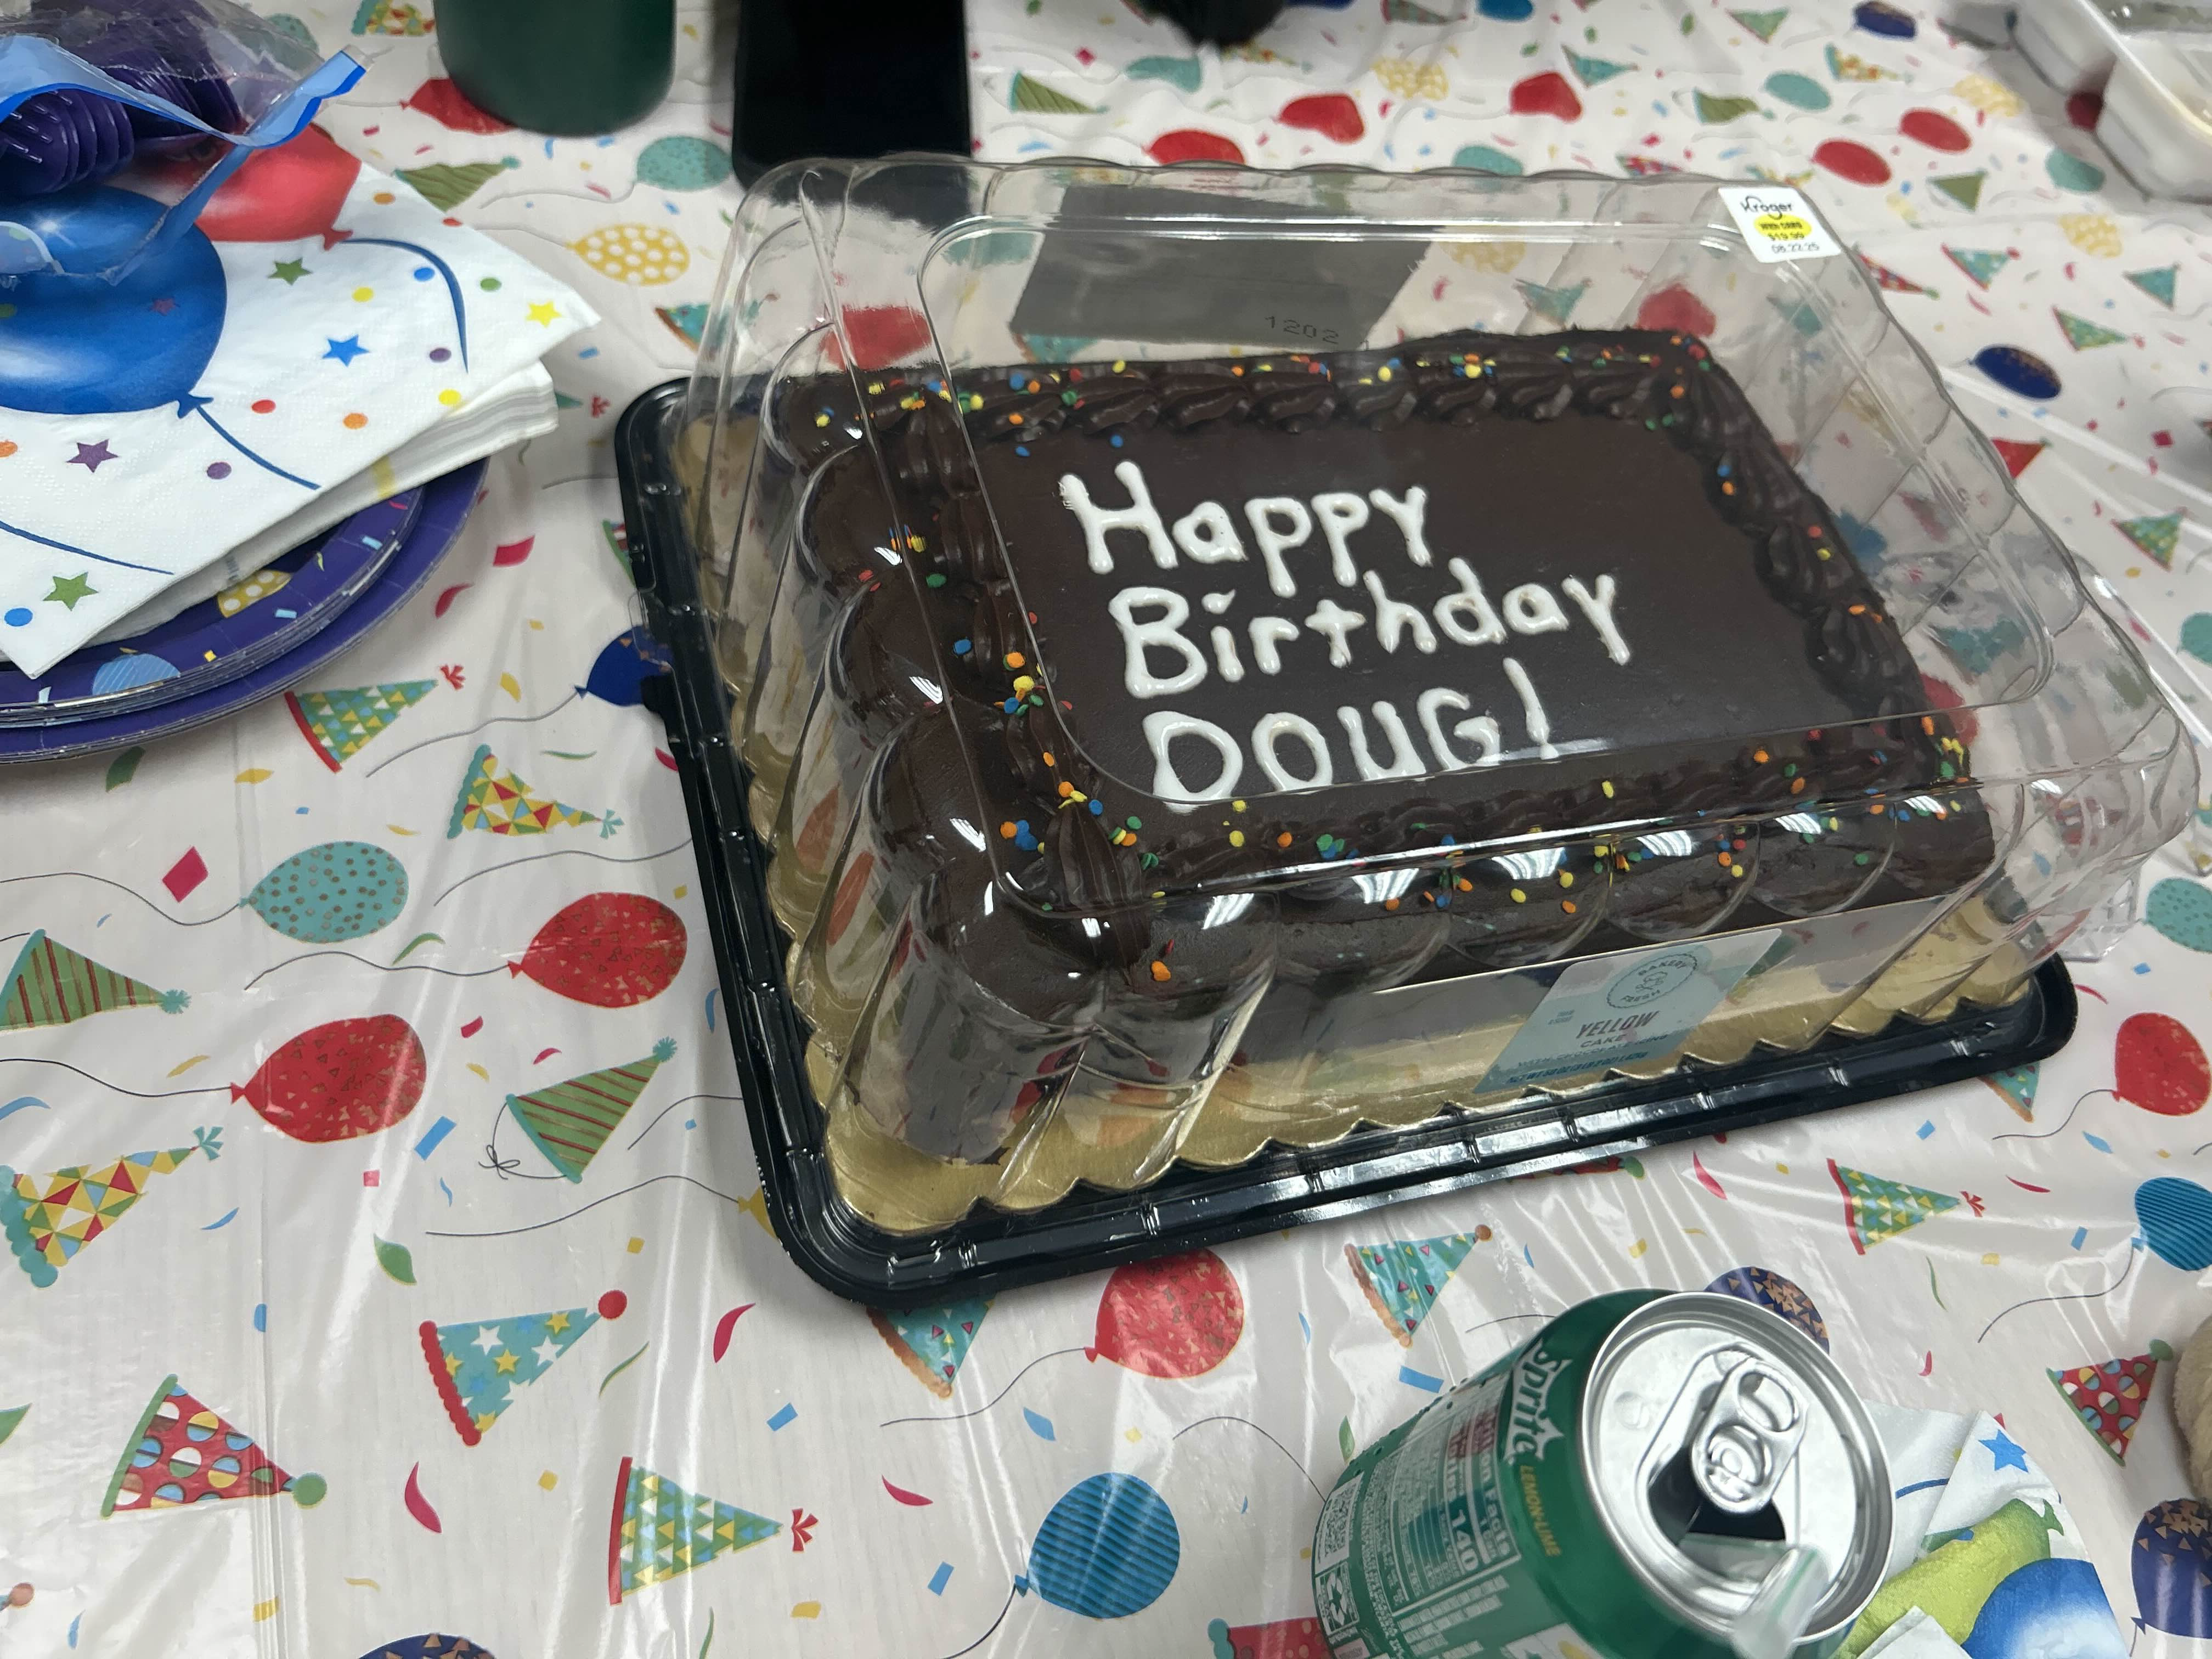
[854, 80]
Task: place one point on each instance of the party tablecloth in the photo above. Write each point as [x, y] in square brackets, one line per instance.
[376, 1362]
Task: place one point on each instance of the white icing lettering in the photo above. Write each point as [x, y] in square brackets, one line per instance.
[1598, 607]
[1341, 512]
[1406, 515]
[1269, 634]
[1394, 616]
[1532, 609]
[1540, 725]
[1272, 730]
[1225, 656]
[1274, 542]
[1333, 620]
[1208, 534]
[1164, 632]
[1217, 603]
[1139, 515]
[1162, 728]
[1405, 758]
[1485, 627]
[1482, 729]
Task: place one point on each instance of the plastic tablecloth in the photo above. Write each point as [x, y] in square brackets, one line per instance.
[315, 1339]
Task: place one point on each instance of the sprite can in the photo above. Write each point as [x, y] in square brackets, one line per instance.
[1652, 1474]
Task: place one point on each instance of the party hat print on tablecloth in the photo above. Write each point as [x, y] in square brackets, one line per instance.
[478, 1365]
[1721, 111]
[1875, 1208]
[1556, 303]
[47, 1218]
[182, 1452]
[336, 723]
[1594, 71]
[570, 1122]
[1286, 1639]
[1850, 66]
[1964, 188]
[2157, 534]
[1981, 265]
[492, 798]
[2016, 1086]
[1890, 282]
[659, 1530]
[2159, 284]
[2082, 334]
[446, 185]
[390, 17]
[53, 985]
[2109, 1398]
[1761, 23]
[932, 1342]
[2016, 453]
[1402, 1278]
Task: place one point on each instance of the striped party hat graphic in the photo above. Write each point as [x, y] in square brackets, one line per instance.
[53, 985]
[570, 1122]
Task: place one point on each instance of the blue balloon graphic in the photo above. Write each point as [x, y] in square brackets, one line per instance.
[2048, 1609]
[2176, 1218]
[340, 890]
[622, 666]
[79, 346]
[1107, 1549]
[1767, 1289]
[432, 1646]
[134, 669]
[2172, 1559]
[1875, 18]
[2021, 372]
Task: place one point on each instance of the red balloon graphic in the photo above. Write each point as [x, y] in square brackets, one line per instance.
[1176, 1316]
[1331, 114]
[2158, 1065]
[610, 949]
[1546, 94]
[881, 335]
[1674, 307]
[350, 1078]
[283, 194]
[1853, 161]
[1189, 144]
[1937, 131]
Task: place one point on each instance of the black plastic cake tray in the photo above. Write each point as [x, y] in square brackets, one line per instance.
[990, 1250]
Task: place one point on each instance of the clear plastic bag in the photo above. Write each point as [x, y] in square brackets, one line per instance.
[119, 119]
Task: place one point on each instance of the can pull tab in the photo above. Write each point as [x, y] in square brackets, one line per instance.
[1744, 1442]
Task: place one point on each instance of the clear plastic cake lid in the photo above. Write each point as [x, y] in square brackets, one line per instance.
[1265, 526]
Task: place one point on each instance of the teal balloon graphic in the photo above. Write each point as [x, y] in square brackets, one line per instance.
[2050, 1609]
[681, 163]
[1802, 90]
[2069, 171]
[1484, 159]
[1107, 1549]
[340, 890]
[2182, 911]
[2176, 1219]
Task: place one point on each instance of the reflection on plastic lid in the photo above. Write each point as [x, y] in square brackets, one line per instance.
[1930, 805]
[1535, 866]
[1803, 824]
[970, 833]
[1670, 843]
[1225, 908]
[931, 689]
[1384, 885]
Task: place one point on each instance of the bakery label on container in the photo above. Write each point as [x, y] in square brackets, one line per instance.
[1776, 224]
[1610, 1011]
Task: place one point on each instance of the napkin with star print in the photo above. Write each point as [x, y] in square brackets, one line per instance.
[318, 317]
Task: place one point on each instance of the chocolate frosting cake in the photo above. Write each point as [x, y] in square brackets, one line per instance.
[1188, 678]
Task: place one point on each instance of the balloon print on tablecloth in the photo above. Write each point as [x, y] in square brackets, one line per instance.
[1173, 1317]
[680, 161]
[2172, 1561]
[49, 984]
[2158, 1065]
[1852, 160]
[340, 1080]
[1876, 1208]
[570, 1121]
[1108, 1548]
[2021, 372]
[2050, 1609]
[336, 723]
[1764, 1288]
[643, 256]
[2176, 1219]
[2182, 911]
[2071, 171]
[1286, 1639]
[932, 1343]
[659, 1530]
[1190, 145]
[342, 890]
[183, 1452]
[47, 1218]
[2108, 1396]
[1548, 94]
[477, 1365]
[1333, 115]
[1801, 90]
[1402, 1278]
[609, 949]
[494, 799]
[434, 1645]
[1934, 128]
[1955, 1579]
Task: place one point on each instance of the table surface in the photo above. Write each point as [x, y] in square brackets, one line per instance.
[290, 1286]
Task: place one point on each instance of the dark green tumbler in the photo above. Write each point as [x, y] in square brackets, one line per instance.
[574, 67]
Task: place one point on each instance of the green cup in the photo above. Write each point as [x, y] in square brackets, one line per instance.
[571, 67]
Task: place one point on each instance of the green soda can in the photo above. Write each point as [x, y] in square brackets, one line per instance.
[1651, 1476]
